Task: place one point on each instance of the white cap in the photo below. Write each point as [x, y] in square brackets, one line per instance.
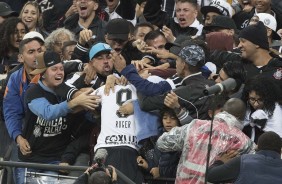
[211, 67]
[33, 34]
[268, 20]
[219, 6]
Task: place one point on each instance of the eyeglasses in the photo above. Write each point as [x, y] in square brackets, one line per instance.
[59, 44]
[253, 100]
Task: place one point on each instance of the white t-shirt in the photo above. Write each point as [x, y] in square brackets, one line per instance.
[116, 129]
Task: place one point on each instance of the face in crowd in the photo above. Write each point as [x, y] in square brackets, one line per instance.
[86, 8]
[186, 13]
[222, 76]
[59, 43]
[30, 15]
[29, 53]
[180, 65]
[158, 43]
[116, 44]
[209, 17]
[112, 4]
[67, 52]
[17, 36]
[255, 100]
[248, 49]
[53, 76]
[169, 121]
[102, 63]
[141, 32]
[262, 6]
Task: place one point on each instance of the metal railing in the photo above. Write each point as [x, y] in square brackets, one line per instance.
[51, 167]
[9, 164]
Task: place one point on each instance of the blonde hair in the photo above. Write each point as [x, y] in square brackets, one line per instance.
[50, 40]
[39, 22]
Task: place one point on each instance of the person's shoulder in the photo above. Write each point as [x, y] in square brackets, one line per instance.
[275, 61]
[34, 91]
[71, 22]
[17, 75]
[34, 88]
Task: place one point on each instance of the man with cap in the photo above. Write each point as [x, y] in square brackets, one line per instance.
[271, 25]
[190, 59]
[101, 65]
[255, 48]
[193, 140]
[118, 37]
[6, 11]
[215, 8]
[263, 167]
[223, 24]
[242, 18]
[18, 83]
[47, 127]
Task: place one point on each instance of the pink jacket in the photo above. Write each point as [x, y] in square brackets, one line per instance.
[192, 140]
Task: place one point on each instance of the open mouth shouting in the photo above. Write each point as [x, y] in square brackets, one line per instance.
[182, 21]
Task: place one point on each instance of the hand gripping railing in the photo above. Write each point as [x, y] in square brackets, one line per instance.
[54, 167]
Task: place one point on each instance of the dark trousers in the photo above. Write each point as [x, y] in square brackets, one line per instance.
[123, 158]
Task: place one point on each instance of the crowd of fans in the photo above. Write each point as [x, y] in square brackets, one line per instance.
[122, 83]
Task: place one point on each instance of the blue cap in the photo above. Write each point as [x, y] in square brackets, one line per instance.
[99, 47]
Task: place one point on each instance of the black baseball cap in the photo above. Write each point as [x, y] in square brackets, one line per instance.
[6, 10]
[223, 22]
[45, 60]
[118, 29]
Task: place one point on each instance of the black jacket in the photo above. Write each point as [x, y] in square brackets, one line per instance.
[97, 26]
[272, 70]
[191, 90]
[154, 14]
[242, 18]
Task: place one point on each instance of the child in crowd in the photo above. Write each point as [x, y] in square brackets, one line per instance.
[152, 160]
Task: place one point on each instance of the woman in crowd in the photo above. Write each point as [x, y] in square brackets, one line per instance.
[55, 41]
[264, 110]
[11, 34]
[31, 15]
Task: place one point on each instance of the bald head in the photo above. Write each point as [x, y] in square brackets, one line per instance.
[236, 107]
[99, 177]
[270, 141]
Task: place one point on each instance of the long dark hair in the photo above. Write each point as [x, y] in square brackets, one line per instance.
[268, 91]
[235, 70]
[6, 30]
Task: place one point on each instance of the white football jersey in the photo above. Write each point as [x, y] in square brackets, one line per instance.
[116, 129]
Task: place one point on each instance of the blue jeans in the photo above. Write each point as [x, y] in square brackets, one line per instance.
[21, 174]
